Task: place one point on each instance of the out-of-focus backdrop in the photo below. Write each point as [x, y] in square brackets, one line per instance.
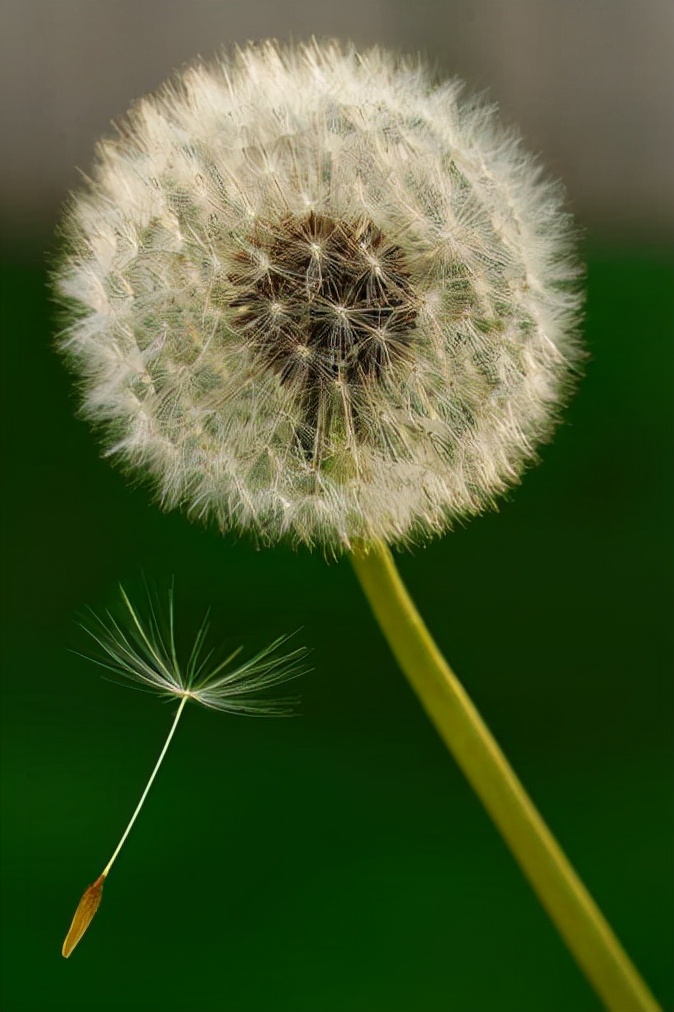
[589, 83]
[338, 861]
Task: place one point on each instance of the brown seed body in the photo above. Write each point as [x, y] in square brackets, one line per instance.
[86, 908]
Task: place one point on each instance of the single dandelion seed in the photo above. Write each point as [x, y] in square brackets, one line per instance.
[144, 652]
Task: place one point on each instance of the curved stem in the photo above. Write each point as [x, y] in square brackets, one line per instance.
[568, 903]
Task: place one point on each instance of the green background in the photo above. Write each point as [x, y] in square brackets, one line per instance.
[337, 861]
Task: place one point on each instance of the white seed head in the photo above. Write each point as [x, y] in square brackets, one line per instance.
[317, 295]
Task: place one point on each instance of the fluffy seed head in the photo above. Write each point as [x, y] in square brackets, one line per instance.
[316, 295]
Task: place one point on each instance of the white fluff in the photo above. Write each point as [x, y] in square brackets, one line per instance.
[307, 414]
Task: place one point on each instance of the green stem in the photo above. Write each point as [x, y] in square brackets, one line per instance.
[567, 901]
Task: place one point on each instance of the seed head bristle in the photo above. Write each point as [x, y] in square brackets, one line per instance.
[144, 652]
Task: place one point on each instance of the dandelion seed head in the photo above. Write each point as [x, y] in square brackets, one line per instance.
[318, 296]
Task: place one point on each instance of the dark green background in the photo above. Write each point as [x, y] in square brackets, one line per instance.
[337, 862]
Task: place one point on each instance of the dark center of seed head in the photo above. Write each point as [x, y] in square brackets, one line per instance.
[323, 301]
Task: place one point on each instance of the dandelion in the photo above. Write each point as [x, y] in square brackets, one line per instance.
[146, 655]
[316, 296]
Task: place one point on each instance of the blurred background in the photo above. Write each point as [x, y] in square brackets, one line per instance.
[589, 82]
[337, 861]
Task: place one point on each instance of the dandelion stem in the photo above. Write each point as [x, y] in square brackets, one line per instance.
[91, 897]
[568, 903]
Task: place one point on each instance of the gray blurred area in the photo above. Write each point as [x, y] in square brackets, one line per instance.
[590, 83]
